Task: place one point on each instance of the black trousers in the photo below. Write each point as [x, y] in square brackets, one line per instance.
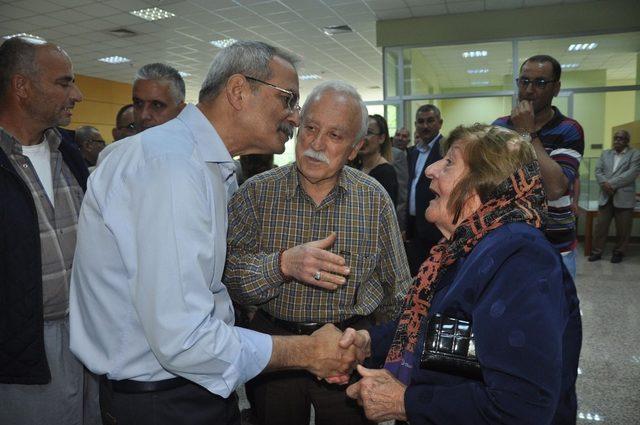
[285, 398]
[189, 405]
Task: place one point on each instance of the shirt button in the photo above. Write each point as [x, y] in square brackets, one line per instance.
[25, 165]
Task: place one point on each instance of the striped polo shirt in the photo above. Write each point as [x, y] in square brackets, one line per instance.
[563, 139]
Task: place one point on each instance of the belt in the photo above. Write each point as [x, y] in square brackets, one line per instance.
[132, 387]
[307, 328]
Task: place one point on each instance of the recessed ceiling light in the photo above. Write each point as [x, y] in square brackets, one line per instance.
[310, 77]
[184, 74]
[569, 65]
[480, 83]
[114, 59]
[223, 43]
[336, 29]
[478, 71]
[475, 54]
[582, 46]
[152, 14]
[27, 37]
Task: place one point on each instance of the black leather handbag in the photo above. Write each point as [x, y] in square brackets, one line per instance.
[449, 348]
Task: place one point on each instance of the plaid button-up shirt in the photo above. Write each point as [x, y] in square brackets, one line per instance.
[57, 225]
[272, 212]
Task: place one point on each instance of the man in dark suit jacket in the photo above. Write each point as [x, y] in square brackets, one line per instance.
[422, 235]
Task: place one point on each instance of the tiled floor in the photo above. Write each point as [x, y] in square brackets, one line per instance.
[609, 383]
[609, 380]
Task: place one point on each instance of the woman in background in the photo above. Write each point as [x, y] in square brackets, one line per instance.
[376, 156]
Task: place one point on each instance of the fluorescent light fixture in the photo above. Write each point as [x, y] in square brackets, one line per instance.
[480, 83]
[152, 14]
[27, 37]
[475, 54]
[184, 74]
[310, 77]
[478, 71]
[221, 44]
[582, 46]
[590, 416]
[569, 65]
[114, 59]
[336, 29]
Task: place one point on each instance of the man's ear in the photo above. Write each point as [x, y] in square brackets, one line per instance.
[21, 85]
[557, 90]
[355, 149]
[236, 90]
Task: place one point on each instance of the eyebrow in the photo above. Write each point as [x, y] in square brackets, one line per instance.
[66, 79]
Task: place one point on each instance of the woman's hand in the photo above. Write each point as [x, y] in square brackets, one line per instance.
[380, 394]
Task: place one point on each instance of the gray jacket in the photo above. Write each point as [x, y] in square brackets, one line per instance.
[623, 179]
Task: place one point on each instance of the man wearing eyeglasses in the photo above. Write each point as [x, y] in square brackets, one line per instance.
[91, 143]
[125, 125]
[315, 242]
[149, 311]
[559, 145]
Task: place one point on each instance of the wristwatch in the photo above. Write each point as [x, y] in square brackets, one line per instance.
[528, 137]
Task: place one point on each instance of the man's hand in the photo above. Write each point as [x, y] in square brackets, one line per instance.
[380, 394]
[607, 188]
[361, 340]
[523, 117]
[329, 356]
[303, 262]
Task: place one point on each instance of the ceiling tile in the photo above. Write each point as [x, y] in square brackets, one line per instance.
[432, 10]
[14, 12]
[397, 13]
[43, 21]
[97, 10]
[503, 4]
[466, 6]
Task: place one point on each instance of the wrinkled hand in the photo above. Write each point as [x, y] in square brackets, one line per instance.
[303, 261]
[607, 188]
[523, 117]
[328, 356]
[361, 340]
[380, 394]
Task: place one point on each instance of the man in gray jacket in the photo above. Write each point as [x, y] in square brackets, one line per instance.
[616, 172]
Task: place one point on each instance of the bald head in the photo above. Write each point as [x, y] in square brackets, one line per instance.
[90, 142]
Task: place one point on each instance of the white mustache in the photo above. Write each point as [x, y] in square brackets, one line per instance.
[319, 156]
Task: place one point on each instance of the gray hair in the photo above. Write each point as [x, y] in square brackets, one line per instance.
[163, 72]
[345, 89]
[428, 108]
[17, 56]
[249, 58]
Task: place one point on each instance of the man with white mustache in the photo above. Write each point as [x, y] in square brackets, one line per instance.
[311, 243]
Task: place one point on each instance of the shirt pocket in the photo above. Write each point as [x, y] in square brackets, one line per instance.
[362, 268]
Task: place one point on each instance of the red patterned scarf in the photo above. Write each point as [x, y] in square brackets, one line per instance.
[520, 198]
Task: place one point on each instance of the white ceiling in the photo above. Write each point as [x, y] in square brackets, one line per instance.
[82, 28]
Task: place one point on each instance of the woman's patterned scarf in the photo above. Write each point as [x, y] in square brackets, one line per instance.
[520, 198]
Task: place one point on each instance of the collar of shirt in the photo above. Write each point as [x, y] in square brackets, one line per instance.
[425, 147]
[208, 141]
[10, 145]
[620, 153]
[293, 182]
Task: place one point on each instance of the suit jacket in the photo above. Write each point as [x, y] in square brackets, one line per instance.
[623, 179]
[423, 228]
[401, 165]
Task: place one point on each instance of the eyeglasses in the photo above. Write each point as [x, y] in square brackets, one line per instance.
[130, 126]
[291, 100]
[97, 141]
[539, 83]
[373, 133]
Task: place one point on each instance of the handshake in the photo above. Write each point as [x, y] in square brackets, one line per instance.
[327, 353]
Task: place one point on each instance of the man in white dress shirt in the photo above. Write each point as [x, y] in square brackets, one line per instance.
[148, 309]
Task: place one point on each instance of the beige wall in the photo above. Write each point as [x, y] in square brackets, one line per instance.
[101, 101]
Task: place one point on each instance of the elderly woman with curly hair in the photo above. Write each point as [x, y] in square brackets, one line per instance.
[490, 332]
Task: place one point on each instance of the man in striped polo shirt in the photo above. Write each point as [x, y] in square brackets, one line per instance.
[559, 144]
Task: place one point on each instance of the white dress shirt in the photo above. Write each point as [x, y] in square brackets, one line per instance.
[147, 302]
